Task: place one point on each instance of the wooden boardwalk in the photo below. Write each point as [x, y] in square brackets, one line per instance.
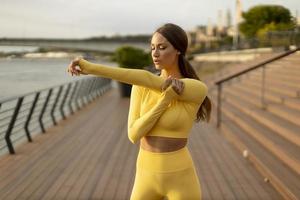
[88, 156]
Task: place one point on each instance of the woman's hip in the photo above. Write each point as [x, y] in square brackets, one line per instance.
[164, 162]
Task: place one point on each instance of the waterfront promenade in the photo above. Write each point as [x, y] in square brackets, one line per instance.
[88, 156]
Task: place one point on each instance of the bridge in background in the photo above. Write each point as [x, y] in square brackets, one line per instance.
[82, 45]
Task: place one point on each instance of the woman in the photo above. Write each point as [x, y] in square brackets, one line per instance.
[161, 114]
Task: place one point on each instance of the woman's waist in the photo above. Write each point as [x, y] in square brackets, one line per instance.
[164, 162]
[162, 144]
[171, 132]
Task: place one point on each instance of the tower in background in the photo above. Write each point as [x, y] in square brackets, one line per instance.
[220, 27]
[228, 18]
[238, 19]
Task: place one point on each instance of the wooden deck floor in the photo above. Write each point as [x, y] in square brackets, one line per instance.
[88, 156]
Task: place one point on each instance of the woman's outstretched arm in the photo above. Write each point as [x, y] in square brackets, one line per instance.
[126, 75]
[139, 126]
[194, 90]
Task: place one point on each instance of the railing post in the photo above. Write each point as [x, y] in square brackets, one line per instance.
[54, 105]
[93, 89]
[263, 103]
[219, 111]
[71, 98]
[78, 94]
[88, 91]
[99, 88]
[96, 88]
[81, 92]
[11, 126]
[64, 100]
[30, 115]
[44, 109]
[86, 86]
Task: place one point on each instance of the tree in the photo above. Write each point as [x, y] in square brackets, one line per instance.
[263, 18]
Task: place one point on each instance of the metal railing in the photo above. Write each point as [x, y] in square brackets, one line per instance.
[24, 115]
[274, 39]
[259, 65]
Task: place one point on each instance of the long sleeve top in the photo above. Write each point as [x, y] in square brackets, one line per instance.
[154, 112]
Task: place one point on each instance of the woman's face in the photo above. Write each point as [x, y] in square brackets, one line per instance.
[164, 55]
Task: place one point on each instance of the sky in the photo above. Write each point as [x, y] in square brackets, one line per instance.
[91, 18]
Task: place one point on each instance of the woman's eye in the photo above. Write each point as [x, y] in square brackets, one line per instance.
[161, 48]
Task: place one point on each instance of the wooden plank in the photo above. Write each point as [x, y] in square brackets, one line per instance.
[97, 174]
[202, 170]
[85, 154]
[28, 168]
[52, 136]
[49, 161]
[128, 173]
[98, 135]
[242, 171]
[116, 179]
[224, 164]
[103, 190]
[208, 169]
[131, 179]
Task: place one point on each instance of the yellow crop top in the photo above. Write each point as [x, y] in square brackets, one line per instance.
[153, 112]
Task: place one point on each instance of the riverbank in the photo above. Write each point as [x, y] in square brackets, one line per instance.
[52, 52]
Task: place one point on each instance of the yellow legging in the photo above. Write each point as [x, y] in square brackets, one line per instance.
[170, 175]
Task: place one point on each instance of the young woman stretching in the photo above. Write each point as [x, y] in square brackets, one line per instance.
[161, 114]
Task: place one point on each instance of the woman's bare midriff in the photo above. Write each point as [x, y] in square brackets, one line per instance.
[162, 144]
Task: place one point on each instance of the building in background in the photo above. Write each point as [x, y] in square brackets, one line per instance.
[204, 35]
[224, 34]
[297, 18]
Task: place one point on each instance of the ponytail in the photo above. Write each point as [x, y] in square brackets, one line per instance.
[188, 71]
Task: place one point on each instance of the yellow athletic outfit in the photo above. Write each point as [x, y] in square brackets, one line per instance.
[156, 113]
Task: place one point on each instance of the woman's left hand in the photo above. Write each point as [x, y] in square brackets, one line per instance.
[176, 84]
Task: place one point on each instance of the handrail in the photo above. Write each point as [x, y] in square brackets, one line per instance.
[65, 103]
[259, 65]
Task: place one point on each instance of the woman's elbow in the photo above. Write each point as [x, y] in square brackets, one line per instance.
[132, 140]
[132, 137]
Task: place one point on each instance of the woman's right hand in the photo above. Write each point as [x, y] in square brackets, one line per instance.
[176, 84]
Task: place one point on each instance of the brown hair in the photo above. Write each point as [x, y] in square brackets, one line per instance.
[178, 38]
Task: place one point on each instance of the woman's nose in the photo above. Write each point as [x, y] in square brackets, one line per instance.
[155, 53]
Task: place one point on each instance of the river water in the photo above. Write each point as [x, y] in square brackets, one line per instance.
[19, 75]
[23, 75]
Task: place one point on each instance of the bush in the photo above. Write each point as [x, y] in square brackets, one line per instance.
[132, 57]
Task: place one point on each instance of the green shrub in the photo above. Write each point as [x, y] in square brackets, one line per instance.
[131, 57]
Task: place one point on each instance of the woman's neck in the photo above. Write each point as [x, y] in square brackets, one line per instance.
[174, 74]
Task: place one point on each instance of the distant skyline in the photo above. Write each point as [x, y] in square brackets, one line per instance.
[92, 18]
